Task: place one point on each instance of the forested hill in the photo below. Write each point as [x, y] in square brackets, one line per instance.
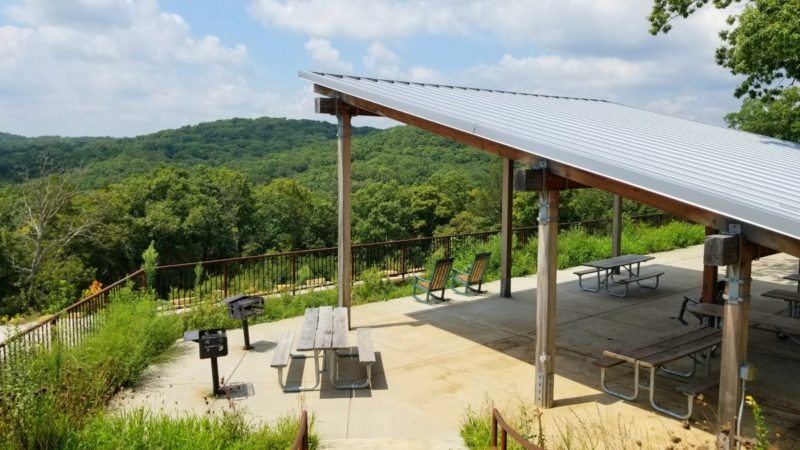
[216, 143]
[228, 188]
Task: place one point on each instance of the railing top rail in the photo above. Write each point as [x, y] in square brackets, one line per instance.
[53, 317]
[528, 445]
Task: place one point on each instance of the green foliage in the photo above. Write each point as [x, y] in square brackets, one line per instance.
[289, 216]
[476, 427]
[149, 264]
[143, 430]
[778, 116]
[207, 314]
[762, 432]
[46, 398]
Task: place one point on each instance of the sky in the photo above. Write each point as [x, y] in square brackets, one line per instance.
[131, 67]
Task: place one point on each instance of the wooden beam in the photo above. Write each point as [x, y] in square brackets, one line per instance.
[710, 277]
[506, 231]
[721, 249]
[734, 349]
[344, 252]
[546, 298]
[538, 180]
[675, 207]
[463, 137]
[325, 105]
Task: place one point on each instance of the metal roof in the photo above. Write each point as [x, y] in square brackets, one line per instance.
[744, 176]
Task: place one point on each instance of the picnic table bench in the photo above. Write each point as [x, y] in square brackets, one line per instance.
[771, 322]
[325, 331]
[655, 353]
[611, 267]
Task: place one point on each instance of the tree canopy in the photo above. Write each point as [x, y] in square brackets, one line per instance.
[762, 44]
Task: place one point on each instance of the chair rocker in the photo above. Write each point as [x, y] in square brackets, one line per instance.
[438, 281]
[473, 275]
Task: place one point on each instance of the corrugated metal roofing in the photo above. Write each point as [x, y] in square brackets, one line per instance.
[744, 176]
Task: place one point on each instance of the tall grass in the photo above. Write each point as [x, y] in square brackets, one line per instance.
[44, 398]
[56, 398]
[140, 429]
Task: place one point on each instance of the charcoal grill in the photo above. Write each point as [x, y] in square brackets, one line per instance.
[242, 307]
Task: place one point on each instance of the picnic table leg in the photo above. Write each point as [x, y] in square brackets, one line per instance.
[317, 378]
[688, 374]
[606, 389]
[666, 411]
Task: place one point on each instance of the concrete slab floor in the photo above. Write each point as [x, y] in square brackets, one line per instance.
[435, 362]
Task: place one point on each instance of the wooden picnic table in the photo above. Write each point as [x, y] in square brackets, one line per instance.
[792, 298]
[325, 330]
[611, 267]
[655, 353]
[790, 327]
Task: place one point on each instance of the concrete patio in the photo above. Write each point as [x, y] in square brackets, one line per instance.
[434, 362]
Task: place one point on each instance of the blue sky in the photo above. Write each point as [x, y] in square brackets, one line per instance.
[128, 67]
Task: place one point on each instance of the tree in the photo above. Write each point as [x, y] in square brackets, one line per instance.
[778, 118]
[49, 222]
[382, 212]
[290, 217]
[763, 44]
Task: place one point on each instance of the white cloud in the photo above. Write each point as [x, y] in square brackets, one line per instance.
[550, 74]
[326, 57]
[361, 19]
[382, 61]
[116, 67]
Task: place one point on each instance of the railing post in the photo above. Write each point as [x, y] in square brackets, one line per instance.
[447, 246]
[494, 430]
[403, 262]
[225, 279]
[293, 275]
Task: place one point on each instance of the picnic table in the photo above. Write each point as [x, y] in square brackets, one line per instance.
[325, 332]
[791, 297]
[612, 267]
[658, 351]
[713, 314]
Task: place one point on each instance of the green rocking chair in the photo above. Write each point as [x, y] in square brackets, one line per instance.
[438, 281]
[473, 275]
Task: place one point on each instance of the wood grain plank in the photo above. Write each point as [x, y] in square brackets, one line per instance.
[340, 330]
[281, 356]
[324, 335]
[308, 334]
[365, 352]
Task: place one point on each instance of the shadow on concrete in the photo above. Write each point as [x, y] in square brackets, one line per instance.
[588, 323]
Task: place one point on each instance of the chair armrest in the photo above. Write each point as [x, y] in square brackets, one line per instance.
[458, 271]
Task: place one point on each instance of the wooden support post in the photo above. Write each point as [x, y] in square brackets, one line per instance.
[506, 228]
[546, 298]
[710, 277]
[616, 228]
[736, 254]
[345, 256]
[734, 350]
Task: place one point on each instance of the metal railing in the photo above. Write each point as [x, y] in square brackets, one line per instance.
[498, 424]
[301, 438]
[289, 272]
[68, 326]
